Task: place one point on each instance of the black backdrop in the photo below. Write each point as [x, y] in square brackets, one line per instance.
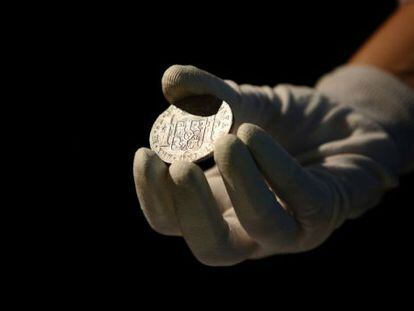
[116, 57]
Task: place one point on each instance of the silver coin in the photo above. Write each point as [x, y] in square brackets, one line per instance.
[177, 135]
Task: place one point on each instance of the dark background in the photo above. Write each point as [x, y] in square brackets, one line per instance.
[115, 60]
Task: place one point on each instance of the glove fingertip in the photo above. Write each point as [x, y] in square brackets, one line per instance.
[184, 81]
[174, 81]
[225, 147]
[185, 173]
[147, 165]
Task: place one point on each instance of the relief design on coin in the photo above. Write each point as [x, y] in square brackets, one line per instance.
[177, 135]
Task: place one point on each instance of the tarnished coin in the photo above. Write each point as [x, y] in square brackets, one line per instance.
[177, 135]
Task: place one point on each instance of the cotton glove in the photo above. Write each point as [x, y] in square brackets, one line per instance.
[296, 166]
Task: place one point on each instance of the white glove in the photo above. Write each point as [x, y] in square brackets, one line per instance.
[297, 166]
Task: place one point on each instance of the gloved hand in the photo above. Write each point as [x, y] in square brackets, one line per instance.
[295, 167]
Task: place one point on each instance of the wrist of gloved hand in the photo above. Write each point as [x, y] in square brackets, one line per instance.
[381, 97]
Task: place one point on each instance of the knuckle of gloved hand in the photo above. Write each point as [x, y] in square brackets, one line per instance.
[159, 221]
[161, 226]
[313, 238]
[314, 217]
[215, 250]
[309, 244]
[216, 257]
[298, 95]
[316, 227]
[158, 225]
[319, 201]
[259, 221]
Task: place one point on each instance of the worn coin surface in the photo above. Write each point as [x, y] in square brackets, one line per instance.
[177, 135]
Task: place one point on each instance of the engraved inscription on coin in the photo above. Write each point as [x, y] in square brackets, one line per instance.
[177, 135]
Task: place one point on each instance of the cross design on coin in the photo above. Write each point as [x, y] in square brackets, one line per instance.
[177, 135]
